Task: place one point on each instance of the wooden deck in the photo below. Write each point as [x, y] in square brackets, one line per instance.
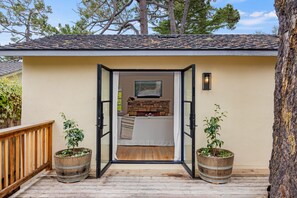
[144, 181]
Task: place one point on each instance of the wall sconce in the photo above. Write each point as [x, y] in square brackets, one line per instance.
[206, 81]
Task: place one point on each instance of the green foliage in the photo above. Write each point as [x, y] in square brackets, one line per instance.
[10, 102]
[73, 135]
[202, 18]
[224, 153]
[24, 19]
[67, 29]
[212, 128]
[71, 153]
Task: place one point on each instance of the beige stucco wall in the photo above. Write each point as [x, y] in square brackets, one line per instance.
[243, 86]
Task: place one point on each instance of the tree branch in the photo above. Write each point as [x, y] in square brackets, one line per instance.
[154, 2]
[115, 14]
[128, 24]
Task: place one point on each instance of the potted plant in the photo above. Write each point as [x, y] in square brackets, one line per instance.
[214, 164]
[72, 164]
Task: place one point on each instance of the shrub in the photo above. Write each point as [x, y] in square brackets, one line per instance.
[212, 129]
[73, 135]
[10, 102]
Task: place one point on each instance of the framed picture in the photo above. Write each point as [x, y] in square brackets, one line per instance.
[148, 89]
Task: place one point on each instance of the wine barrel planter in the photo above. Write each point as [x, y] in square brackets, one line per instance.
[72, 169]
[216, 170]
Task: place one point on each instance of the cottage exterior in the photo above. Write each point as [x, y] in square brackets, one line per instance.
[11, 70]
[60, 74]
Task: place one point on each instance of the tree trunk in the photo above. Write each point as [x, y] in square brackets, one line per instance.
[27, 30]
[283, 163]
[184, 19]
[143, 16]
[171, 16]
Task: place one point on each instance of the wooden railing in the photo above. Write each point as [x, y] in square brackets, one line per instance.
[24, 152]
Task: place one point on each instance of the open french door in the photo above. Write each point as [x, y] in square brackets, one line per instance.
[104, 120]
[188, 119]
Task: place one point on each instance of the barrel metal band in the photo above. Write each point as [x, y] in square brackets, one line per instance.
[214, 180]
[73, 176]
[214, 177]
[72, 167]
[215, 168]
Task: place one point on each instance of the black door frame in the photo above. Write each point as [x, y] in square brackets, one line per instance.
[192, 119]
[100, 118]
[98, 144]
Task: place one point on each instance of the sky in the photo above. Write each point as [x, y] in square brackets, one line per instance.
[256, 15]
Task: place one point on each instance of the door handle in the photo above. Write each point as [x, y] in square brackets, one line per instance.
[100, 121]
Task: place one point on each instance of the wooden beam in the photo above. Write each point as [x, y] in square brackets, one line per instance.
[13, 131]
[50, 146]
[11, 159]
[6, 182]
[22, 156]
[17, 157]
[1, 160]
[35, 148]
[43, 146]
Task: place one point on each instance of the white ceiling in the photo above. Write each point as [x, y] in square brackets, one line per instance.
[148, 73]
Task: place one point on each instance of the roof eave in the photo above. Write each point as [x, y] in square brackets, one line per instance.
[9, 74]
[138, 52]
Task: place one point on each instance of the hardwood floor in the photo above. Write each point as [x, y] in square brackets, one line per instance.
[145, 153]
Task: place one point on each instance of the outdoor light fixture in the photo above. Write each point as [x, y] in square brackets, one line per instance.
[206, 81]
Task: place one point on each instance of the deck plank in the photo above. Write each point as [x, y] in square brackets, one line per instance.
[159, 181]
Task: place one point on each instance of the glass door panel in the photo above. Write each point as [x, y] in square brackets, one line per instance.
[105, 151]
[188, 152]
[187, 112]
[106, 117]
[188, 119]
[104, 120]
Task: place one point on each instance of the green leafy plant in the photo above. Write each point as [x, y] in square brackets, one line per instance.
[212, 129]
[73, 135]
[10, 102]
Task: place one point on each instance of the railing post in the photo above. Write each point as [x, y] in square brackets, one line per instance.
[1, 160]
[50, 147]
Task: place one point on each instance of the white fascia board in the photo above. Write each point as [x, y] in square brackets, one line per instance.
[138, 52]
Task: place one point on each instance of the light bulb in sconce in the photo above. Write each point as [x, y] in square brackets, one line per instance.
[206, 81]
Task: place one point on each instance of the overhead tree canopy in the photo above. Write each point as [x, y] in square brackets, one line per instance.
[283, 163]
[67, 29]
[202, 18]
[24, 19]
[164, 16]
[99, 16]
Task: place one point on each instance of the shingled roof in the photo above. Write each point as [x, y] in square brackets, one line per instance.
[9, 68]
[149, 42]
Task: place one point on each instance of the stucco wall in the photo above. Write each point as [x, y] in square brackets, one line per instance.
[243, 86]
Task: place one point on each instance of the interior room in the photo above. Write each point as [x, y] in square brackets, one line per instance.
[145, 116]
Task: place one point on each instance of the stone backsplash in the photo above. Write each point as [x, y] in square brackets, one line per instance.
[148, 108]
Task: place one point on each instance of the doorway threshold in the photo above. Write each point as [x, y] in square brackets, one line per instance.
[147, 166]
[145, 162]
